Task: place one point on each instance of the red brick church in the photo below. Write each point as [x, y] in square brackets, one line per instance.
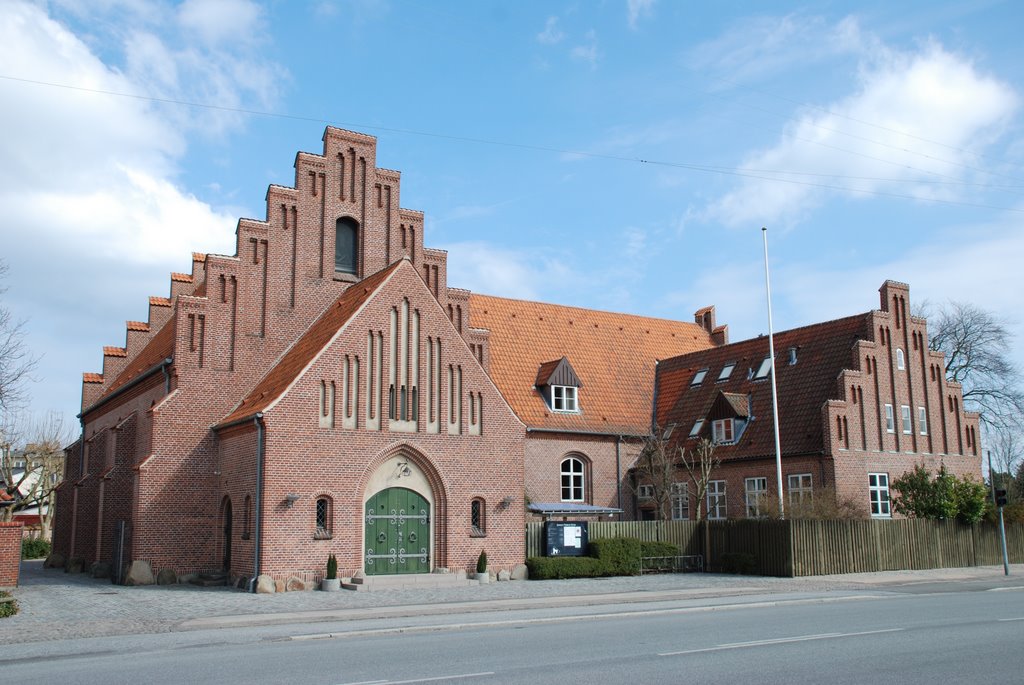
[323, 391]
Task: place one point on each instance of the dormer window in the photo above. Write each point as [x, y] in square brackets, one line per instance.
[559, 385]
[698, 377]
[726, 371]
[762, 371]
[563, 398]
[723, 431]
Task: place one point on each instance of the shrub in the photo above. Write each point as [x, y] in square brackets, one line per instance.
[481, 562]
[7, 608]
[658, 549]
[550, 568]
[34, 548]
[620, 556]
[332, 567]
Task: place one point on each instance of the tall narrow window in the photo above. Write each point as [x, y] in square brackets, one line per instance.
[922, 420]
[680, 501]
[901, 362]
[905, 415]
[716, 500]
[800, 488]
[477, 512]
[323, 519]
[890, 421]
[346, 245]
[756, 489]
[572, 480]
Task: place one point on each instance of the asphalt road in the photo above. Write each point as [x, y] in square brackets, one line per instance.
[964, 635]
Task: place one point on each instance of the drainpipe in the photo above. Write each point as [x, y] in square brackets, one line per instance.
[167, 379]
[258, 529]
[618, 473]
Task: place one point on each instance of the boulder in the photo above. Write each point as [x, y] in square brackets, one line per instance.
[279, 585]
[100, 569]
[167, 576]
[520, 572]
[265, 585]
[55, 560]
[139, 573]
[504, 574]
[74, 566]
[294, 584]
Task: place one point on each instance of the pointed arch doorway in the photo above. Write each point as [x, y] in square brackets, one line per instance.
[226, 520]
[398, 526]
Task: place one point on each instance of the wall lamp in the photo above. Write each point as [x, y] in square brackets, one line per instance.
[506, 503]
[290, 500]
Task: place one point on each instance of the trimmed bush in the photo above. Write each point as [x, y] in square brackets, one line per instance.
[550, 568]
[332, 567]
[658, 549]
[34, 548]
[7, 608]
[620, 556]
[481, 562]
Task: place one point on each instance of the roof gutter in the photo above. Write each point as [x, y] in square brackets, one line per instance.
[162, 366]
[579, 432]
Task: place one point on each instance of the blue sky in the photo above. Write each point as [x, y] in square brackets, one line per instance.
[621, 155]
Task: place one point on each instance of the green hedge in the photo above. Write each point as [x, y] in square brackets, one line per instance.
[607, 557]
[7, 608]
[34, 548]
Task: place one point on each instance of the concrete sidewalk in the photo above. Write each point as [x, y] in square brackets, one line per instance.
[56, 605]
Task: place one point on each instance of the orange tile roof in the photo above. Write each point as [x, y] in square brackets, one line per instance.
[180, 277]
[159, 301]
[138, 326]
[110, 351]
[823, 351]
[160, 347]
[307, 347]
[613, 355]
[92, 377]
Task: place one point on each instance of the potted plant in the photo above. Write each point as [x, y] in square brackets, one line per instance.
[481, 568]
[331, 582]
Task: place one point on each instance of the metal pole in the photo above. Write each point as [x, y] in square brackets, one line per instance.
[1002, 539]
[775, 392]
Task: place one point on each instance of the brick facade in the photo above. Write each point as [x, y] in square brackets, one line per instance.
[10, 554]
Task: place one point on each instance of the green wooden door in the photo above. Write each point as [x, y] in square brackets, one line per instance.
[397, 533]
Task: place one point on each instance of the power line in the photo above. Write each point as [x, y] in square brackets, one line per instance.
[728, 171]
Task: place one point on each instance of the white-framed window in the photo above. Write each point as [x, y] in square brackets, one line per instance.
[908, 428]
[572, 480]
[716, 500]
[645, 492]
[680, 501]
[563, 398]
[723, 431]
[697, 425]
[890, 420]
[901, 361]
[726, 371]
[878, 490]
[922, 421]
[698, 377]
[762, 371]
[801, 487]
[755, 489]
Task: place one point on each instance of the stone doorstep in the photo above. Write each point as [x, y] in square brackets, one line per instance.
[407, 581]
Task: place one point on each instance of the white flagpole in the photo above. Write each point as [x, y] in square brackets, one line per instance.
[775, 392]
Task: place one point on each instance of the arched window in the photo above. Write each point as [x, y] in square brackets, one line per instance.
[346, 245]
[478, 517]
[901, 362]
[572, 480]
[324, 514]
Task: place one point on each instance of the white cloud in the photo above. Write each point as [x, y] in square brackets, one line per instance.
[587, 52]
[221, 21]
[551, 35]
[636, 9]
[880, 137]
[484, 268]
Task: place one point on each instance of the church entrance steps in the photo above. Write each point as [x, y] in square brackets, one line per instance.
[407, 581]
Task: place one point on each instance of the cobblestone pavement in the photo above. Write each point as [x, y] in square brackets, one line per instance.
[57, 605]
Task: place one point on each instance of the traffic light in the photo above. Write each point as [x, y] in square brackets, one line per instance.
[1000, 498]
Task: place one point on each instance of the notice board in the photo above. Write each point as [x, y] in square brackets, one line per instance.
[565, 538]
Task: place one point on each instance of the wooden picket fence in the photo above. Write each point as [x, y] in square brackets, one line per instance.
[806, 548]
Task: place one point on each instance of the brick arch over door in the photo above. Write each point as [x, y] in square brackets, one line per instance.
[436, 483]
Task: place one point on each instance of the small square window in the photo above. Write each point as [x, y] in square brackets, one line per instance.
[762, 371]
[698, 377]
[645, 492]
[726, 371]
[563, 398]
[722, 432]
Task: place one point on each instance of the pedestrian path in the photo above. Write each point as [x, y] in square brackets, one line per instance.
[57, 605]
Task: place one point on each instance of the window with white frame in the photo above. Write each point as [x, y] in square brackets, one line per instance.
[901, 362]
[922, 421]
[722, 431]
[890, 420]
[697, 425]
[716, 500]
[755, 490]
[905, 415]
[680, 501]
[698, 377]
[762, 371]
[563, 398]
[572, 480]
[878, 490]
[801, 488]
[726, 371]
[645, 492]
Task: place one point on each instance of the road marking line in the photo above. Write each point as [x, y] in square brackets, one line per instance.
[421, 680]
[371, 632]
[1012, 619]
[779, 641]
[367, 682]
[1005, 589]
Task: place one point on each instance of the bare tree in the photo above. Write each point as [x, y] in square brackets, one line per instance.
[977, 346]
[655, 474]
[700, 465]
[16, 361]
[32, 466]
[1006, 449]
